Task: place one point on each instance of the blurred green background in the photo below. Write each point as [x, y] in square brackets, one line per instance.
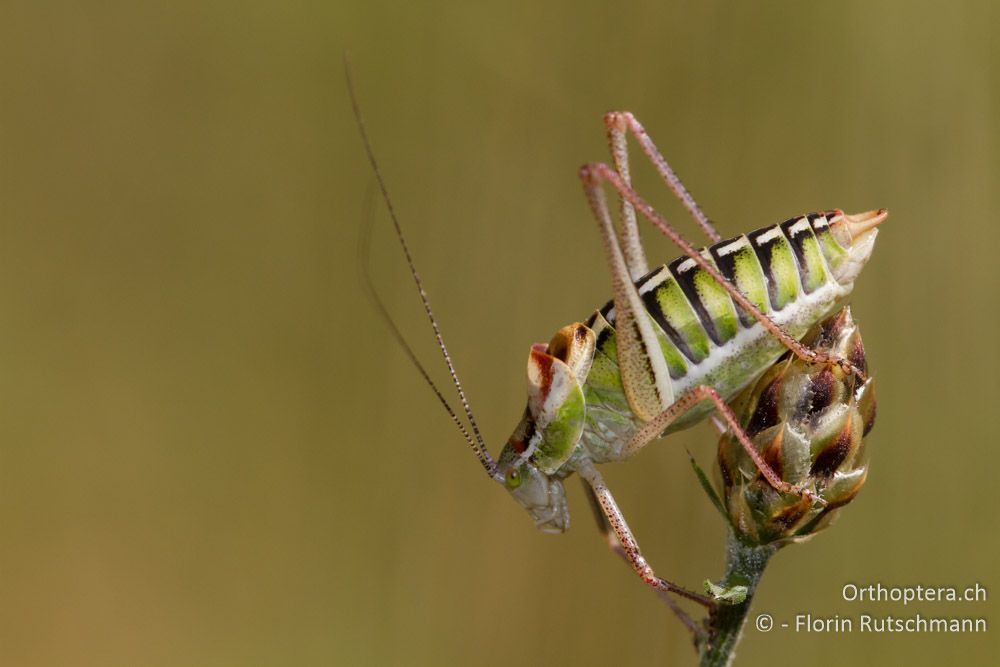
[211, 452]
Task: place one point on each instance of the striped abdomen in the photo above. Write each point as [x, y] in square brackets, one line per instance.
[786, 270]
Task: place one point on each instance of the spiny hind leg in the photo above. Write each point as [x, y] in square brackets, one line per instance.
[654, 429]
[593, 175]
[641, 364]
[619, 124]
[635, 256]
[618, 533]
[616, 547]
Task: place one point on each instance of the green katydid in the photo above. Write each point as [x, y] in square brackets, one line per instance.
[672, 346]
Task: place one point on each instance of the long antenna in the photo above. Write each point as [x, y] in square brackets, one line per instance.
[364, 266]
[477, 444]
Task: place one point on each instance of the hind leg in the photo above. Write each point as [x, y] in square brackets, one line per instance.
[594, 175]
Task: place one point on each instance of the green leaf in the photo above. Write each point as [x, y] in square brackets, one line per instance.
[726, 594]
[707, 486]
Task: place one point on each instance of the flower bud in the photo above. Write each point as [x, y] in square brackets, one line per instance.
[808, 422]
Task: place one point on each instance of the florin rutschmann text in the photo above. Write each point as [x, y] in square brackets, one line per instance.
[884, 623]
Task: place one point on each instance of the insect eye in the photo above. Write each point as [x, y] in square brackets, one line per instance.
[513, 478]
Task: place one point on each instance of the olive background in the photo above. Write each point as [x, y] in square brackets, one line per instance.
[211, 450]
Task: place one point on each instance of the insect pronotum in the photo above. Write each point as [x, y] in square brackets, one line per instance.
[673, 345]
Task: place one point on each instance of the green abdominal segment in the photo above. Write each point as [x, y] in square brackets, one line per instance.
[706, 339]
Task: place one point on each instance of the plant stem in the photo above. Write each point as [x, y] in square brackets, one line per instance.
[745, 565]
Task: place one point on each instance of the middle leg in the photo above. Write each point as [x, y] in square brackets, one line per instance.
[654, 428]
